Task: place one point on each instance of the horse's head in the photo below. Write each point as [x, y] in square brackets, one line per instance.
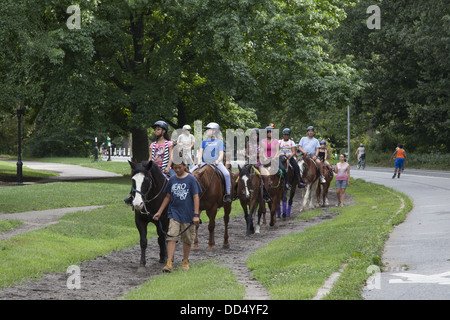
[246, 181]
[141, 182]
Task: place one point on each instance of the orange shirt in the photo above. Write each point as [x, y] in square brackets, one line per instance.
[401, 153]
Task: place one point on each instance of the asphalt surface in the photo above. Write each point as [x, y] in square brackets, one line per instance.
[417, 255]
[69, 172]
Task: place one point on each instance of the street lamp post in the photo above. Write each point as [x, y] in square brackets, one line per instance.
[348, 129]
[19, 138]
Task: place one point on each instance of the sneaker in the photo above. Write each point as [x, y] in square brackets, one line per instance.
[185, 264]
[168, 267]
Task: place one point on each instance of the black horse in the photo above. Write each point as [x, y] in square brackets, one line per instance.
[148, 183]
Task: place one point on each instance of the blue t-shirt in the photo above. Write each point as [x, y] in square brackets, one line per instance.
[309, 145]
[211, 149]
[182, 191]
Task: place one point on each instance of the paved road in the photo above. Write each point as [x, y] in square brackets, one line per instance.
[417, 254]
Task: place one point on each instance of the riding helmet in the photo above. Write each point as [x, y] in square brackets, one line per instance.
[161, 124]
[310, 128]
[287, 131]
[213, 125]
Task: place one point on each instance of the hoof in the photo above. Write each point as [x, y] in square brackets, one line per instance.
[226, 246]
[210, 248]
[258, 230]
[195, 247]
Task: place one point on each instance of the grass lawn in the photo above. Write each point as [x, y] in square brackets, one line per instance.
[295, 266]
[8, 172]
[204, 281]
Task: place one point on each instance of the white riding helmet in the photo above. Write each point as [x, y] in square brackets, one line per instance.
[187, 127]
[213, 125]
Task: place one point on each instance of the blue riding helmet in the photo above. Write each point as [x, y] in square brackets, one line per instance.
[269, 128]
[287, 131]
[323, 142]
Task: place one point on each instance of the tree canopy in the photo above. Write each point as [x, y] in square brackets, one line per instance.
[241, 63]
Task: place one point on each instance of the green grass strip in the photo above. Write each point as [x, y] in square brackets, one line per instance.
[203, 281]
[79, 236]
[6, 225]
[295, 266]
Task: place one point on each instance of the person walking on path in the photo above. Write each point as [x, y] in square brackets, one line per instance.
[182, 196]
[342, 171]
[399, 161]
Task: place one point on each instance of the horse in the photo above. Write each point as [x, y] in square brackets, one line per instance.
[275, 184]
[211, 199]
[148, 183]
[310, 176]
[292, 181]
[250, 194]
[322, 188]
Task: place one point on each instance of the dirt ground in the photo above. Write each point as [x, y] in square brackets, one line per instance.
[114, 275]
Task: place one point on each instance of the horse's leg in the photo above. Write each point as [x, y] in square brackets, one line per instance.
[211, 226]
[196, 236]
[306, 196]
[325, 193]
[141, 225]
[226, 219]
[311, 194]
[318, 190]
[161, 243]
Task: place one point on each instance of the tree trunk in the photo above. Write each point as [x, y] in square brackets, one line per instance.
[140, 144]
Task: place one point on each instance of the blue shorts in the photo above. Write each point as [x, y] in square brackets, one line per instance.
[341, 184]
[399, 163]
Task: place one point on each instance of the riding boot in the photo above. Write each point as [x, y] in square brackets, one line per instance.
[301, 184]
[227, 198]
[284, 208]
[288, 213]
[279, 211]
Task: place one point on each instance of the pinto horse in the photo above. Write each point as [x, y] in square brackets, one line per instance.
[211, 199]
[148, 193]
[250, 194]
[322, 189]
[310, 176]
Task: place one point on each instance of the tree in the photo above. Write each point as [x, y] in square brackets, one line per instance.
[406, 64]
[233, 62]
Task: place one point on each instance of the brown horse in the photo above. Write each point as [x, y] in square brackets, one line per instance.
[275, 184]
[310, 175]
[250, 194]
[211, 199]
[322, 188]
[292, 181]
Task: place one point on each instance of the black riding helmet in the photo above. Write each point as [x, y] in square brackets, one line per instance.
[161, 124]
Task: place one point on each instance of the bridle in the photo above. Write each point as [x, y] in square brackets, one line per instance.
[144, 195]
